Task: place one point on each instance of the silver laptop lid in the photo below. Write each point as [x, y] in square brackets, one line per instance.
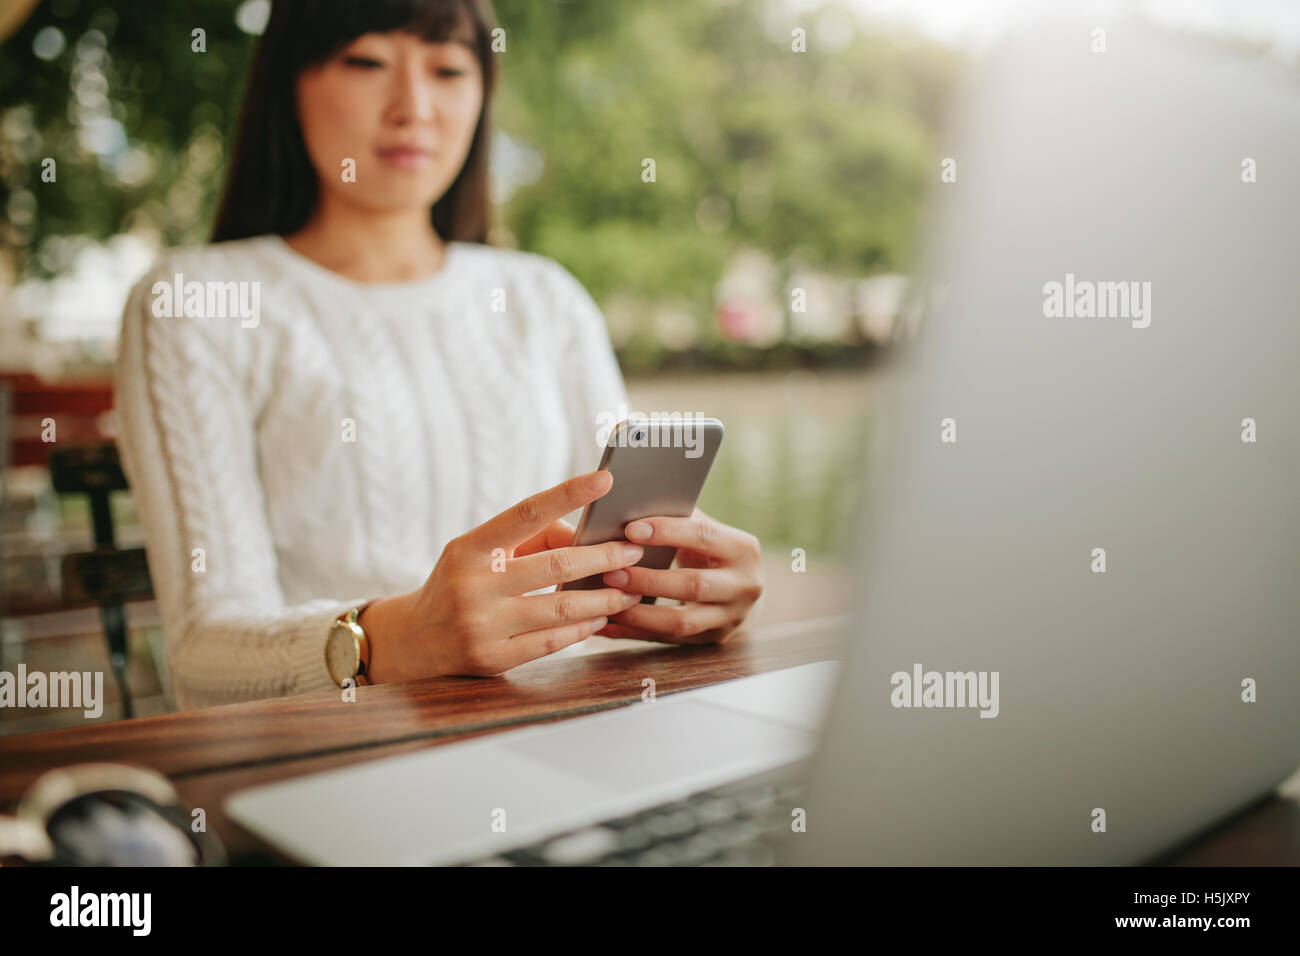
[1095, 494]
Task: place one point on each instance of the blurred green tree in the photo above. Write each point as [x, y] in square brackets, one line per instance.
[135, 120]
[818, 157]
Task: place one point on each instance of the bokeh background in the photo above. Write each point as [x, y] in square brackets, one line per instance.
[776, 171]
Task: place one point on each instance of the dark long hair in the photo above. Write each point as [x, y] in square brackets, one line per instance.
[271, 186]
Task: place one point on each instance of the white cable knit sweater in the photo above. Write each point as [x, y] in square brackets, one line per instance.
[262, 522]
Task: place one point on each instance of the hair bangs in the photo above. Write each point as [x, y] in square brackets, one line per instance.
[333, 24]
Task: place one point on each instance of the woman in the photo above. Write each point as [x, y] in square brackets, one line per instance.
[358, 389]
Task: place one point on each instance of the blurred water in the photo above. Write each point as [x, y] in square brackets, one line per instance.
[789, 467]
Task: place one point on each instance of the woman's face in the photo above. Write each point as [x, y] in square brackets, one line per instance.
[389, 119]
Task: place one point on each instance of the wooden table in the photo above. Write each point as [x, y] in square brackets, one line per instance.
[212, 752]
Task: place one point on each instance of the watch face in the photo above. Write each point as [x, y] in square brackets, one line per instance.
[342, 655]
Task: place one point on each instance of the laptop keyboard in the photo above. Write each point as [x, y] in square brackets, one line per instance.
[728, 826]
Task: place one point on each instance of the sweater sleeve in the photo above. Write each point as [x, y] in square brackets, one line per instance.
[187, 442]
[593, 383]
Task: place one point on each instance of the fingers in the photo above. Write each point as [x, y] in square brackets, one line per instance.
[523, 648]
[619, 628]
[679, 625]
[558, 534]
[521, 521]
[705, 586]
[612, 629]
[567, 564]
[564, 607]
[698, 533]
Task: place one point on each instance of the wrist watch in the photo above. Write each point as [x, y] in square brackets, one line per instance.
[347, 654]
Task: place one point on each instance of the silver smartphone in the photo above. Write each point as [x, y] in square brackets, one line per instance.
[659, 466]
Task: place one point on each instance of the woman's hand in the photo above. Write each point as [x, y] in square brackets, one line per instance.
[718, 577]
[473, 615]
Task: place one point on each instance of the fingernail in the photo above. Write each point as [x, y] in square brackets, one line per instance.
[633, 553]
[638, 531]
[630, 599]
[616, 578]
[600, 622]
[596, 480]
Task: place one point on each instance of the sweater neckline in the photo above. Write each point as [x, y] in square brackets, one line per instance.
[450, 266]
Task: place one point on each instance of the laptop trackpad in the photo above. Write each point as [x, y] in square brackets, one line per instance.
[685, 744]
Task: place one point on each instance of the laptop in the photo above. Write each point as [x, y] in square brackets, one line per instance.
[1076, 639]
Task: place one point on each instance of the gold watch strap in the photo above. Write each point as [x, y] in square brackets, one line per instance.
[363, 669]
[363, 645]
